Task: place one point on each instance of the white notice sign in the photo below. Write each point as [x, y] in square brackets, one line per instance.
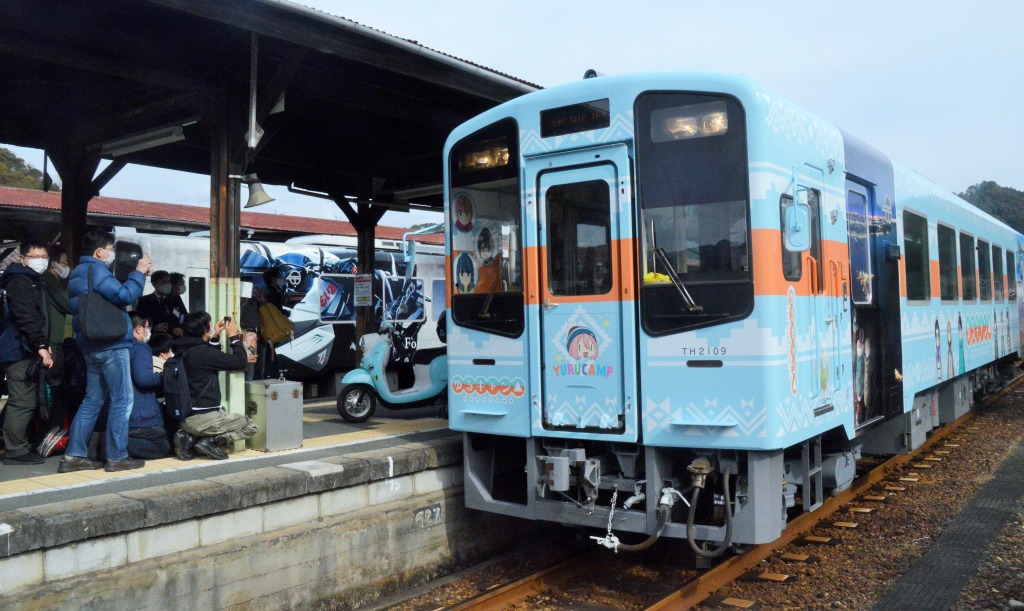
[363, 290]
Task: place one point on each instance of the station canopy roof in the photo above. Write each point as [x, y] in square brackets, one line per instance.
[365, 113]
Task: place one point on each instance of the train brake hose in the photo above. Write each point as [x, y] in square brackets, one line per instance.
[663, 513]
[728, 522]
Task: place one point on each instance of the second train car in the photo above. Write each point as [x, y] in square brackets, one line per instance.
[682, 306]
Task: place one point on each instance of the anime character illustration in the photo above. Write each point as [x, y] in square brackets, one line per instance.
[465, 274]
[949, 349]
[995, 333]
[581, 343]
[463, 211]
[938, 351]
[865, 390]
[960, 339]
[858, 375]
[485, 247]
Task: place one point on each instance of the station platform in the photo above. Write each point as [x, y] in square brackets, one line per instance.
[324, 433]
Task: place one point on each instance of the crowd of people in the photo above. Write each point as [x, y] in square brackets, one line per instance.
[101, 391]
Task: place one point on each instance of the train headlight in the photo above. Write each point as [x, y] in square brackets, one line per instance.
[715, 123]
[681, 127]
[686, 122]
[485, 155]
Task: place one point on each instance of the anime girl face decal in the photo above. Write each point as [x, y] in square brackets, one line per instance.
[485, 246]
[465, 274]
[581, 344]
[463, 211]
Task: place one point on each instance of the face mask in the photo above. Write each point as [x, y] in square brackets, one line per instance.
[38, 264]
[164, 289]
[148, 335]
[109, 258]
[65, 271]
[181, 289]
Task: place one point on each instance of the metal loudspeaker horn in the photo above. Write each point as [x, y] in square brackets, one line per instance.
[257, 196]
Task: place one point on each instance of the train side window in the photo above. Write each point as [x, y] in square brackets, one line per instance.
[997, 272]
[915, 244]
[858, 230]
[985, 270]
[947, 263]
[968, 277]
[1011, 277]
[791, 267]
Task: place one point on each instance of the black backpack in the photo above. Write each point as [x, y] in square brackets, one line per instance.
[177, 400]
[10, 343]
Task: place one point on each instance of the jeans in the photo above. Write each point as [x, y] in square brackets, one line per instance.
[109, 375]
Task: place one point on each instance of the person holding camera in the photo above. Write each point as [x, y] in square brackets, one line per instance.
[25, 348]
[108, 361]
[209, 429]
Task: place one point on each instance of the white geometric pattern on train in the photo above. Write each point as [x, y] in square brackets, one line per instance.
[711, 301]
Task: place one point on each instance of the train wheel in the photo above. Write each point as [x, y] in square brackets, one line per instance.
[356, 403]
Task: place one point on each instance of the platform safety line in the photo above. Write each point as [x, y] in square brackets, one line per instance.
[213, 463]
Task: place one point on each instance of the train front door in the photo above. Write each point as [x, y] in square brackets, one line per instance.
[586, 306]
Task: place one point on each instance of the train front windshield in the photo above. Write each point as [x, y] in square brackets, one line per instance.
[693, 195]
[485, 231]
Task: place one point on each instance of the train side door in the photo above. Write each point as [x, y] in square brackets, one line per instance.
[866, 340]
[587, 369]
[819, 270]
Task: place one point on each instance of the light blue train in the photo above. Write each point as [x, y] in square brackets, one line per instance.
[682, 306]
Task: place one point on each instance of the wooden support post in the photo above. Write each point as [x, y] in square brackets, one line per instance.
[225, 220]
[76, 167]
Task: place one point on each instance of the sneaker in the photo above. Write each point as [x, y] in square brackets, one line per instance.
[183, 443]
[125, 464]
[77, 463]
[208, 447]
[29, 458]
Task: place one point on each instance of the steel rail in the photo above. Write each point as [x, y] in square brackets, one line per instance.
[536, 583]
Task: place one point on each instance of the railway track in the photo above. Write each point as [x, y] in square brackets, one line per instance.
[700, 588]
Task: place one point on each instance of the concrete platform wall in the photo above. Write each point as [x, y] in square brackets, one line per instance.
[352, 528]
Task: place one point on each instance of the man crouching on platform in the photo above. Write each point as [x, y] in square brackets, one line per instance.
[209, 429]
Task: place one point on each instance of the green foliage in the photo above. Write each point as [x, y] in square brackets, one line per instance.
[14, 172]
[1004, 203]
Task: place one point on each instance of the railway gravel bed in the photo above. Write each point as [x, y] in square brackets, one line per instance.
[857, 572]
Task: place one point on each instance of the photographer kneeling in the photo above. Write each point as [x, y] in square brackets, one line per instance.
[209, 429]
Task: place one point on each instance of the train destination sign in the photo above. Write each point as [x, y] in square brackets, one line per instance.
[575, 118]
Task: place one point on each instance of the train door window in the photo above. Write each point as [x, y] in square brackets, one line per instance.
[947, 263]
[915, 240]
[1011, 277]
[985, 270]
[997, 272]
[196, 294]
[792, 262]
[791, 267]
[857, 222]
[579, 238]
[968, 279]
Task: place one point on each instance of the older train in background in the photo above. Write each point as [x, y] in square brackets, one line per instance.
[682, 305]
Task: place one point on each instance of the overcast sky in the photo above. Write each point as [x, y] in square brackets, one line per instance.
[937, 85]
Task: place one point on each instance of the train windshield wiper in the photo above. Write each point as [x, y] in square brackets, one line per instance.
[691, 305]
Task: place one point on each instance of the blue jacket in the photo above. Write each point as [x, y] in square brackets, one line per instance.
[145, 382]
[104, 283]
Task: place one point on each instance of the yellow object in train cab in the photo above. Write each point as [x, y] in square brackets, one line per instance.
[656, 278]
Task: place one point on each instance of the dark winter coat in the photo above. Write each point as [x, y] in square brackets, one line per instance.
[104, 283]
[60, 307]
[27, 304]
[145, 410]
[204, 363]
